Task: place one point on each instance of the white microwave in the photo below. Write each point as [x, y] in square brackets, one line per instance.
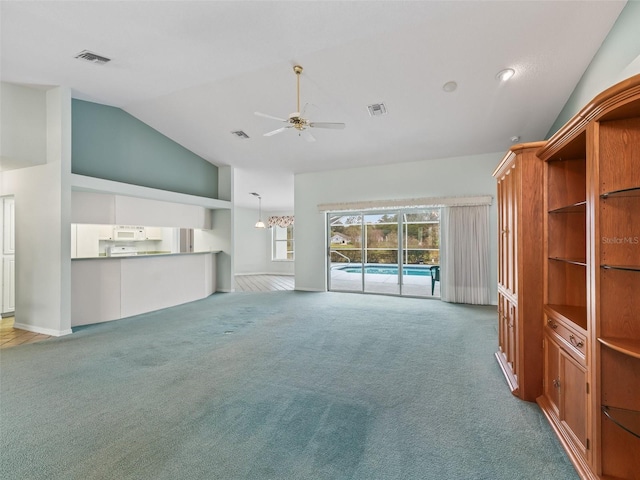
[128, 233]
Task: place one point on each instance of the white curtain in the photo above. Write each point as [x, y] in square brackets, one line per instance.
[464, 255]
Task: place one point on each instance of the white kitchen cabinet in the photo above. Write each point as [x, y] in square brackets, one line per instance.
[87, 240]
[153, 233]
[105, 232]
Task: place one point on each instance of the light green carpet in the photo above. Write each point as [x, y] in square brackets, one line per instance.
[278, 385]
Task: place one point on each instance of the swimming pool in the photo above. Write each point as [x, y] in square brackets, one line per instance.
[418, 270]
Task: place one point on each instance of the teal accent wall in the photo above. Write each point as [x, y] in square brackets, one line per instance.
[609, 64]
[109, 143]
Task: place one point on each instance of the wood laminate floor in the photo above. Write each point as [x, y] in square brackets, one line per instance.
[10, 336]
[264, 283]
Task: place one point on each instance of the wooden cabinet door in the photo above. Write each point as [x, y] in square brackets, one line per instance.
[551, 381]
[573, 398]
[507, 241]
[512, 335]
[565, 388]
[508, 331]
[502, 325]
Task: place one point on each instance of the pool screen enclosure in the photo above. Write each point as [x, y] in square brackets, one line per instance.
[388, 252]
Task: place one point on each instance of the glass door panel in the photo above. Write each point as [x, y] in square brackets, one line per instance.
[421, 252]
[345, 252]
[381, 244]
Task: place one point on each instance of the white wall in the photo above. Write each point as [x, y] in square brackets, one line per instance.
[23, 126]
[252, 247]
[43, 218]
[251, 244]
[617, 58]
[459, 176]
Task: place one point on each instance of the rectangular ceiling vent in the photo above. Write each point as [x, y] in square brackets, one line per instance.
[91, 57]
[240, 134]
[377, 109]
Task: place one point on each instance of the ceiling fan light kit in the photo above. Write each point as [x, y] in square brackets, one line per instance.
[296, 119]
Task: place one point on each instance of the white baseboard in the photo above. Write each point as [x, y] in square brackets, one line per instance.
[43, 331]
[308, 290]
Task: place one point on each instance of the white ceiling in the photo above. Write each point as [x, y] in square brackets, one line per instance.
[198, 70]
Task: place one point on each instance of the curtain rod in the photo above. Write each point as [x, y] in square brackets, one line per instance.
[429, 202]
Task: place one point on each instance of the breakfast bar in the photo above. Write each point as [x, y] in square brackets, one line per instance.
[110, 288]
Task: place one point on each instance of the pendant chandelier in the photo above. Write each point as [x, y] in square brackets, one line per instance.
[259, 223]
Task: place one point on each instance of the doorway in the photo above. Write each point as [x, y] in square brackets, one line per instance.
[392, 252]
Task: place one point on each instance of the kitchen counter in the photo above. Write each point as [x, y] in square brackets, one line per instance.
[144, 255]
[110, 288]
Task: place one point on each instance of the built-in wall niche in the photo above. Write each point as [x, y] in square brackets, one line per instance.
[94, 241]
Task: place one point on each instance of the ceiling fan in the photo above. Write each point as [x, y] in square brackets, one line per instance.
[296, 119]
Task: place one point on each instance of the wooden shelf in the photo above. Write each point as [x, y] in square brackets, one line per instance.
[625, 346]
[628, 420]
[625, 192]
[592, 283]
[580, 207]
[569, 313]
[572, 261]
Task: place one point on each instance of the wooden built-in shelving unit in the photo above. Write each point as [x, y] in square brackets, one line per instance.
[591, 368]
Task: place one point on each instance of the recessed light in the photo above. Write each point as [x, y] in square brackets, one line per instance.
[505, 74]
[450, 86]
[515, 139]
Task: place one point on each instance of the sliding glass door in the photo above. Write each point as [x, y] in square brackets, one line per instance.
[393, 252]
[381, 245]
[421, 253]
[345, 252]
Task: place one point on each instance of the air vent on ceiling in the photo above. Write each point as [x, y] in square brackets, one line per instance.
[91, 57]
[377, 109]
[240, 133]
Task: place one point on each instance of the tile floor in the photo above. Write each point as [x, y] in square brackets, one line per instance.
[10, 336]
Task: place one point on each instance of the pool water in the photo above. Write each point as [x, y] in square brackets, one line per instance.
[391, 270]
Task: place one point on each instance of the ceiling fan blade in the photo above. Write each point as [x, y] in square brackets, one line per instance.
[306, 134]
[274, 132]
[338, 126]
[270, 116]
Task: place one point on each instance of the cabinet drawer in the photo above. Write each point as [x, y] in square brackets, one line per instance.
[570, 339]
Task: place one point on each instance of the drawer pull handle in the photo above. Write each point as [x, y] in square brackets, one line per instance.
[551, 324]
[576, 343]
[556, 382]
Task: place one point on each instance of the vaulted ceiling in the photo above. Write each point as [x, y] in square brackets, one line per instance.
[198, 70]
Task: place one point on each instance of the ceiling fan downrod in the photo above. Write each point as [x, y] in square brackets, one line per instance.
[298, 70]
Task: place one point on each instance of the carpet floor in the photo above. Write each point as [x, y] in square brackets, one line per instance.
[275, 385]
